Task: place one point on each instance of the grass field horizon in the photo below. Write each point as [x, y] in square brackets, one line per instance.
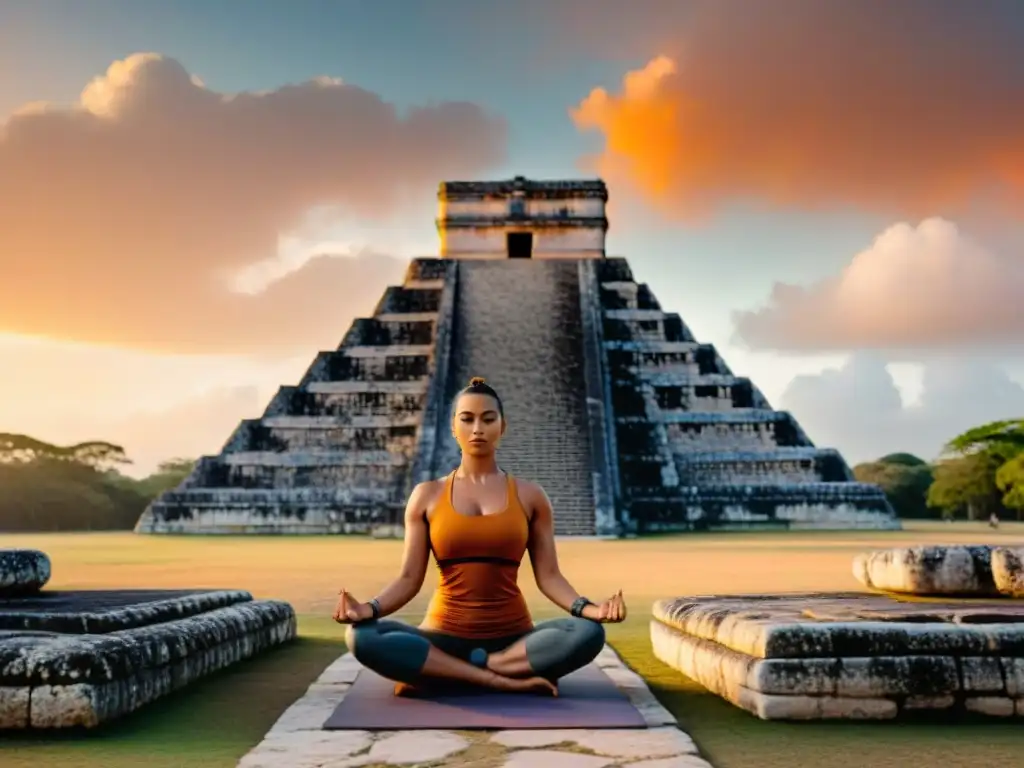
[216, 721]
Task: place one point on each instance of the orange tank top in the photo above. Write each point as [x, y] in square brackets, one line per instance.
[478, 558]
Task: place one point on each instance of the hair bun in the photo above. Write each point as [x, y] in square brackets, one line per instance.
[476, 381]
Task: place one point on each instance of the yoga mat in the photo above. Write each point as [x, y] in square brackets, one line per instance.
[586, 699]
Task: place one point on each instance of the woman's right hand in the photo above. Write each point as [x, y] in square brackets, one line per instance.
[350, 611]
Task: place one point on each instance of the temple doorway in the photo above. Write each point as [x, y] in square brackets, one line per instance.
[519, 245]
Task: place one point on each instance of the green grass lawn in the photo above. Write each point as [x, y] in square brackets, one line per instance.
[217, 720]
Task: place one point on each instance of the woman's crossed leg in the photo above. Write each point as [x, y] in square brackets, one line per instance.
[408, 654]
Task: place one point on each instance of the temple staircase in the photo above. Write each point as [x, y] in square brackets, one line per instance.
[517, 324]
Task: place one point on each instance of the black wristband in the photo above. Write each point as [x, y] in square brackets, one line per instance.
[578, 605]
[375, 607]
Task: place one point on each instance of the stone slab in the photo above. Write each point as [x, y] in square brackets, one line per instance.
[815, 625]
[23, 571]
[297, 740]
[965, 570]
[848, 656]
[51, 680]
[101, 610]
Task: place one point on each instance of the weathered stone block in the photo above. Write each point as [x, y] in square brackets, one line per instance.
[928, 570]
[912, 703]
[1008, 570]
[1013, 675]
[748, 649]
[14, 707]
[23, 571]
[848, 624]
[887, 676]
[983, 674]
[995, 706]
[51, 680]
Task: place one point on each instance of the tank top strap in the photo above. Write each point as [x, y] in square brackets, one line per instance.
[513, 495]
[449, 491]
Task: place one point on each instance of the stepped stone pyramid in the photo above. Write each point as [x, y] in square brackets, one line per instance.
[629, 422]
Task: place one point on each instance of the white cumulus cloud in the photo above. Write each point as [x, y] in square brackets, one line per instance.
[913, 288]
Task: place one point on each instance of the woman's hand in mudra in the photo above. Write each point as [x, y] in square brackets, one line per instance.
[612, 610]
[350, 611]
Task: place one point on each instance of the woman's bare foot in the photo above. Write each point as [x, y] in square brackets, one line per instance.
[408, 690]
[537, 685]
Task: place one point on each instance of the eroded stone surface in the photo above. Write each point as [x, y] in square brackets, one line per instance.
[14, 707]
[23, 571]
[1008, 570]
[307, 749]
[293, 741]
[653, 742]
[846, 656]
[408, 747]
[104, 611]
[310, 711]
[928, 570]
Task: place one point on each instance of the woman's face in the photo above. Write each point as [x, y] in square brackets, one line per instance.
[478, 426]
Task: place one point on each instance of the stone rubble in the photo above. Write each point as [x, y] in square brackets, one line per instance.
[297, 740]
[851, 656]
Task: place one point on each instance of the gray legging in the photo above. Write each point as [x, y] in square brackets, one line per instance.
[398, 651]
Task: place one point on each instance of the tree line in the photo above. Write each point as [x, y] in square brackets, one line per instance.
[980, 474]
[46, 487]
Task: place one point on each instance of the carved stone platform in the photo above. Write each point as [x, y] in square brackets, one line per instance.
[965, 570]
[848, 655]
[80, 658]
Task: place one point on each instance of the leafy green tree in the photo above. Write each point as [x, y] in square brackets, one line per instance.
[22, 449]
[965, 486]
[46, 487]
[1010, 479]
[904, 478]
[1005, 438]
[991, 470]
[904, 460]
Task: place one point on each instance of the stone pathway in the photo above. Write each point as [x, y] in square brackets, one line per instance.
[297, 741]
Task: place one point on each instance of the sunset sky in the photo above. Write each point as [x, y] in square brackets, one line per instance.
[196, 196]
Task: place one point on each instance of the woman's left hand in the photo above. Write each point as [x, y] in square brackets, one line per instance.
[612, 610]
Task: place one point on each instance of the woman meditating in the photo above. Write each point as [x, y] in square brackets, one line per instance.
[479, 522]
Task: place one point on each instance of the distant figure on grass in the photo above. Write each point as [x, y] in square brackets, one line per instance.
[479, 522]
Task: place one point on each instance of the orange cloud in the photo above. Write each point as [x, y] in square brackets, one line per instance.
[126, 216]
[913, 288]
[902, 109]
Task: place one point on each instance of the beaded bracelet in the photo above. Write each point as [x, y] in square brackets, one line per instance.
[375, 607]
